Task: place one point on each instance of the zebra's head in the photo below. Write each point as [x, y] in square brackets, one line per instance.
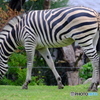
[3, 66]
[3, 70]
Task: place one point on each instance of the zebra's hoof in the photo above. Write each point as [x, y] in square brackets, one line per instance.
[24, 87]
[93, 87]
[60, 86]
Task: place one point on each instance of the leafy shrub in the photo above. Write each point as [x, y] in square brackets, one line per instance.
[17, 59]
[33, 4]
[5, 81]
[17, 71]
[37, 80]
[17, 76]
[86, 71]
[39, 61]
[59, 3]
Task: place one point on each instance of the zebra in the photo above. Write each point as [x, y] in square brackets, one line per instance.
[53, 28]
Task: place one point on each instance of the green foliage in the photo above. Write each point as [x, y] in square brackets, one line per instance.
[38, 4]
[33, 5]
[37, 80]
[39, 61]
[19, 74]
[17, 71]
[86, 71]
[5, 81]
[16, 76]
[17, 59]
[3, 4]
[59, 3]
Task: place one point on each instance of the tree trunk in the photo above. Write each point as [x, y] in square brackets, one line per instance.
[73, 77]
[16, 4]
[69, 55]
[74, 58]
[47, 4]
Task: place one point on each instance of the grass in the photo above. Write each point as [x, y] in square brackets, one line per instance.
[44, 93]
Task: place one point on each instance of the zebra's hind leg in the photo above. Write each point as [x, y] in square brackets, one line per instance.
[95, 77]
[47, 56]
[91, 53]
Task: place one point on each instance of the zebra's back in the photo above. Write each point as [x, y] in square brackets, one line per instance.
[58, 27]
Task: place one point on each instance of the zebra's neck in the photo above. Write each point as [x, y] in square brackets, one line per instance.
[9, 38]
[7, 45]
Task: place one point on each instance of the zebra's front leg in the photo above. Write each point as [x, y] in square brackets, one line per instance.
[30, 56]
[95, 77]
[47, 56]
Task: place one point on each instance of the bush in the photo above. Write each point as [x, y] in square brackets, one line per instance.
[59, 3]
[33, 4]
[37, 80]
[86, 71]
[17, 59]
[16, 76]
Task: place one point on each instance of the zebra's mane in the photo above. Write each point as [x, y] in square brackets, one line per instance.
[13, 22]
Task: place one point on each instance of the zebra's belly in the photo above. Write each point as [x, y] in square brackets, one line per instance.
[56, 44]
[62, 43]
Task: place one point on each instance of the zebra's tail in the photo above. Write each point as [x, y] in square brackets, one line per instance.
[98, 18]
[98, 41]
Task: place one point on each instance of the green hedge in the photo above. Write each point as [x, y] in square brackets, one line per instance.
[86, 71]
[17, 71]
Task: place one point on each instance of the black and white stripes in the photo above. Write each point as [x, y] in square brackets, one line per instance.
[50, 29]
